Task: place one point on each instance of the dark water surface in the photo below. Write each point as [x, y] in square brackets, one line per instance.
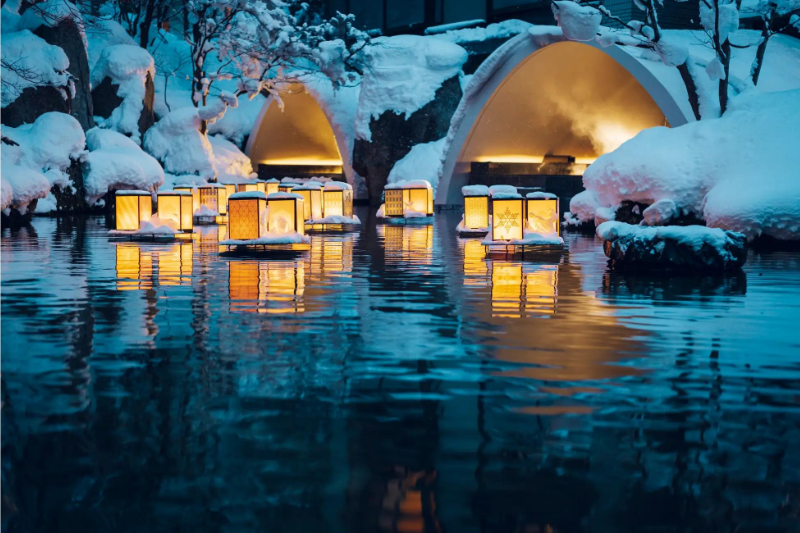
[391, 380]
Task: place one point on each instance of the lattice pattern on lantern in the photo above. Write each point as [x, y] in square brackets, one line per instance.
[133, 208]
[476, 212]
[338, 198]
[507, 219]
[176, 206]
[543, 213]
[393, 203]
[246, 217]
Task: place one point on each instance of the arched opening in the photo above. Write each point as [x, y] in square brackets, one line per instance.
[296, 141]
[550, 112]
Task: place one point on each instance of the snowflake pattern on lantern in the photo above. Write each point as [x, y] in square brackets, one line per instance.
[508, 220]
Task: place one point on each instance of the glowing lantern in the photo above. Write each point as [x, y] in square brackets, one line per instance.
[215, 197]
[338, 199]
[476, 206]
[508, 216]
[543, 213]
[286, 187]
[176, 206]
[133, 208]
[247, 216]
[230, 188]
[312, 199]
[195, 195]
[252, 186]
[286, 213]
[408, 198]
[272, 186]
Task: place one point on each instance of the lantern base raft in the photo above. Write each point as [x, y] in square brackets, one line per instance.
[333, 224]
[532, 244]
[291, 243]
[465, 232]
[205, 216]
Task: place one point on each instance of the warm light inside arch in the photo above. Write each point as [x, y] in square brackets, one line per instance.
[565, 99]
[299, 134]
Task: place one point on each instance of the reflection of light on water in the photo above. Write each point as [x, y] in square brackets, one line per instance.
[331, 255]
[135, 266]
[266, 286]
[519, 289]
[412, 243]
[175, 265]
[134, 269]
[476, 269]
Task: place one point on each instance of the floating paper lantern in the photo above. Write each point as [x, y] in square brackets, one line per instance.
[195, 195]
[133, 208]
[247, 216]
[215, 197]
[272, 186]
[230, 188]
[476, 206]
[543, 213]
[508, 216]
[286, 187]
[252, 186]
[176, 206]
[338, 199]
[406, 198]
[312, 199]
[286, 212]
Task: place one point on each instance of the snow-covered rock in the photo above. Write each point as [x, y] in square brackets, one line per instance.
[402, 74]
[738, 172]
[681, 248]
[230, 163]
[423, 162]
[115, 162]
[130, 68]
[35, 64]
[578, 22]
[177, 143]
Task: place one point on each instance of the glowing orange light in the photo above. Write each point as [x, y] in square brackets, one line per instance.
[133, 208]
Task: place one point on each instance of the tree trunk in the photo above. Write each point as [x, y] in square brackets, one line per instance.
[691, 88]
[144, 27]
[760, 51]
[723, 83]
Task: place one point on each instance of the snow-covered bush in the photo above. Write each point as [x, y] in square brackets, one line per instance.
[230, 163]
[128, 67]
[176, 141]
[115, 162]
[402, 74]
[35, 157]
[423, 162]
[737, 172]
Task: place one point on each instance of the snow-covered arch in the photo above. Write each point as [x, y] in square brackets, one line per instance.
[313, 131]
[540, 94]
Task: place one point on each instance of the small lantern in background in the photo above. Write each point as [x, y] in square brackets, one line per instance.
[476, 206]
[286, 187]
[247, 216]
[543, 213]
[408, 198]
[272, 186]
[286, 213]
[176, 206]
[133, 208]
[337, 199]
[215, 197]
[312, 199]
[230, 188]
[508, 216]
[252, 186]
[195, 195]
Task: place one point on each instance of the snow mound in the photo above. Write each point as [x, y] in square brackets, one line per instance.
[336, 219]
[475, 190]
[176, 141]
[127, 66]
[738, 172]
[402, 74]
[409, 184]
[35, 157]
[35, 64]
[230, 163]
[289, 238]
[117, 163]
[106, 33]
[423, 161]
[498, 30]
[577, 22]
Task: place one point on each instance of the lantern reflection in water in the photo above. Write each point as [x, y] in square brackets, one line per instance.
[247, 216]
[312, 199]
[134, 268]
[543, 213]
[176, 207]
[194, 192]
[338, 199]
[408, 243]
[175, 265]
[209, 237]
[266, 286]
[285, 214]
[522, 289]
[476, 269]
[133, 208]
[331, 255]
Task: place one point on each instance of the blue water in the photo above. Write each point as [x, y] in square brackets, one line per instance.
[391, 380]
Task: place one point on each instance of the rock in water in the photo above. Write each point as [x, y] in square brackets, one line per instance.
[672, 248]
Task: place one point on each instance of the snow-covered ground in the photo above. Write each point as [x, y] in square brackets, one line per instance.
[738, 172]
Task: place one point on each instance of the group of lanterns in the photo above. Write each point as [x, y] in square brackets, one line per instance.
[245, 205]
[509, 212]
